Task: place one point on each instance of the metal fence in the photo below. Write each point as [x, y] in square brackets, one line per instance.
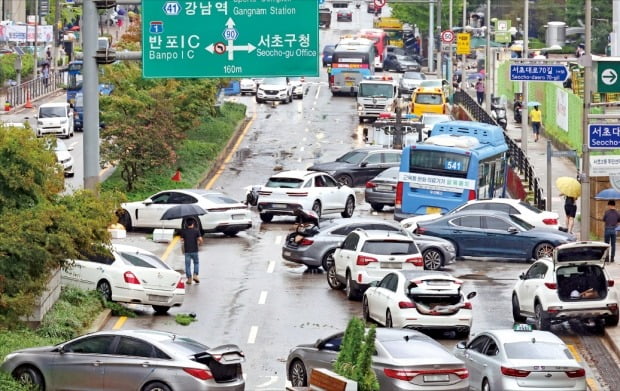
[33, 89]
[517, 159]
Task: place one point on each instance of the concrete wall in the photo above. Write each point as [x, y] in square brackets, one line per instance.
[47, 299]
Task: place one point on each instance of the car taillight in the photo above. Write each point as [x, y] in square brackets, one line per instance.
[550, 221]
[405, 304]
[181, 284]
[611, 283]
[364, 260]
[370, 185]
[131, 278]
[201, 374]
[472, 195]
[613, 307]
[331, 80]
[297, 194]
[576, 373]
[399, 195]
[467, 305]
[417, 261]
[514, 372]
[306, 242]
[551, 285]
[408, 375]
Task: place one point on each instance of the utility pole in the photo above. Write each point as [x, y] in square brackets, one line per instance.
[525, 110]
[586, 61]
[91, 95]
[464, 58]
[36, 54]
[56, 31]
[431, 28]
[449, 66]
[487, 60]
[440, 54]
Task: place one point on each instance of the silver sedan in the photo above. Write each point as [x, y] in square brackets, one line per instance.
[144, 360]
[520, 359]
[318, 250]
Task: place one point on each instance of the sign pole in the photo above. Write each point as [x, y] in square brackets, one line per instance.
[431, 27]
[587, 100]
[464, 58]
[451, 85]
[525, 110]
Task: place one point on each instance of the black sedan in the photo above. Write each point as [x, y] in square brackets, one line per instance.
[344, 15]
[494, 234]
[355, 168]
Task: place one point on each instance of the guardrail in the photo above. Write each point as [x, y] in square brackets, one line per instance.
[517, 159]
[33, 89]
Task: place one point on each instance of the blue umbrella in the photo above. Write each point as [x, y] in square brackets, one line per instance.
[608, 194]
[533, 103]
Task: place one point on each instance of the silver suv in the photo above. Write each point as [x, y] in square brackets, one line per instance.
[274, 89]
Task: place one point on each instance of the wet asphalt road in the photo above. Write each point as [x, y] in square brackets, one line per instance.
[248, 295]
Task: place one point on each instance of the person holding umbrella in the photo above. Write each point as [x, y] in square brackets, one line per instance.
[191, 237]
[612, 220]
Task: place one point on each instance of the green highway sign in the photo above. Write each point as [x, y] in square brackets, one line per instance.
[608, 76]
[230, 38]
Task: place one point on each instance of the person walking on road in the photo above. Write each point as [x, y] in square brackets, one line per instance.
[570, 209]
[480, 91]
[536, 118]
[191, 238]
[612, 221]
[45, 73]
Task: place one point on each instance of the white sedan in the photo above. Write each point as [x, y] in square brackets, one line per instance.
[522, 210]
[247, 86]
[128, 274]
[223, 215]
[288, 191]
[419, 300]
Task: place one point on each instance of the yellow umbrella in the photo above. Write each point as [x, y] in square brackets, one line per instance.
[568, 186]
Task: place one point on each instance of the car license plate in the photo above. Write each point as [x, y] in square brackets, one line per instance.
[287, 254]
[391, 265]
[384, 188]
[278, 206]
[158, 298]
[432, 209]
[436, 378]
[437, 283]
[348, 83]
[238, 217]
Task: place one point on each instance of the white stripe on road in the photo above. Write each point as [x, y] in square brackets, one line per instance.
[316, 96]
[301, 149]
[253, 332]
[271, 266]
[278, 239]
[272, 380]
[262, 298]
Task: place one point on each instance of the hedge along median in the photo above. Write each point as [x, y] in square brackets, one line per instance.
[198, 155]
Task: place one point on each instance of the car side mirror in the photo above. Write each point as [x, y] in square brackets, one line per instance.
[461, 345]
[522, 276]
[513, 230]
[148, 202]
[363, 164]
[471, 295]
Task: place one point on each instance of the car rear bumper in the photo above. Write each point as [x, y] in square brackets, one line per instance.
[374, 197]
[149, 296]
[226, 227]
[299, 256]
[278, 208]
[580, 314]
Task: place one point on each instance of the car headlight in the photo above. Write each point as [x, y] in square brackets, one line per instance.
[449, 247]
[40, 123]
[63, 121]
[360, 107]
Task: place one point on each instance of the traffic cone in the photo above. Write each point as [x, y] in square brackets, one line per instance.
[28, 102]
[177, 176]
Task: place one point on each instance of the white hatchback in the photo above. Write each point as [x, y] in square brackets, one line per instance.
[524, 211]
[288, 191]
[128, 274]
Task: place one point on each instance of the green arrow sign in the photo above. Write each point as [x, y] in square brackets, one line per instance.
[258, 38]
[608, 76]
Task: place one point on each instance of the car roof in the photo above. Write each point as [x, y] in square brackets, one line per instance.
[479, 212]
[389, 334]
[338, 223]
[300, 174]
[509, 335]
[375, 148]
[199, 192]
[379, 234]
[512, 201]
[56, 104]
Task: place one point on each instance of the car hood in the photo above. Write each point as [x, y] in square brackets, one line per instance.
[38, 349]
[430, 239]
[62, 156]
[330, 166]
[411, 82]
[272, 86]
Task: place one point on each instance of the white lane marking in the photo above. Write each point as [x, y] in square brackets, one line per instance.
[301, 149]
[316, 96]
[272, 379]
[262, 298]
[300, 106]
[252, 336]
[272, 265]
[278, 239]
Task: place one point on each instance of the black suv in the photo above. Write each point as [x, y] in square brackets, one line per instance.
[357, 167]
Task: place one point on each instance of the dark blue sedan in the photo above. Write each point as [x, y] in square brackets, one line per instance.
[493, 234]
[328, 50]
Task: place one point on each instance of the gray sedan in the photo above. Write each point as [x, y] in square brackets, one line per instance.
[317, 250]
[381, 190]
[144, 360]
[403, 360]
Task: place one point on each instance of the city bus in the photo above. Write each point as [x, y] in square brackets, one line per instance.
[461, 161]
[380, 39]
[353, 58]
[74, 79]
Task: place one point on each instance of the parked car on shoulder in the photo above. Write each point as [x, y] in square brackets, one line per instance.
[247, 86]
[146, 360]
[64, 158]
[288, 191]
[298, 86]
[572, 284]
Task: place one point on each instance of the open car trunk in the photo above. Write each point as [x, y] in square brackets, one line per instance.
[224, 362]
[437, 304]
[574, 280]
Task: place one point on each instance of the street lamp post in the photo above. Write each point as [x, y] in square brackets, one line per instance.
[487, 60]
[524, 110]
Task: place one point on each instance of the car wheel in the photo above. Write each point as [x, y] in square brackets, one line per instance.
[231, 233]
[543, 250]
[266, 217]
[30, 376]
[388, 319]
[104, 288]
[316, 208]
[349, 208]
[611, 320]
[463, 333]
[361, 119]
[259, 100]
[156, 386]
[485, 385]
[125, 220]
[332, 279]
[377, 207]
[516, 310]
[349, 290]
[542, 321]
[433, 259]
[297, 374]
[328, 260]
[365, 310]
[345, 180]
[161, 309]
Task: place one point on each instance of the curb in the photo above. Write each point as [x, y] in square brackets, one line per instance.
[100, 321]
[612, 343]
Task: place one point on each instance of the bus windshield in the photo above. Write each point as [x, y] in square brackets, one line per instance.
[434, 162]
[376, 91]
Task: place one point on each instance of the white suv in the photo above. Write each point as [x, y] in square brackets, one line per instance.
[55, 118]
[288, 191]
[367, 256]
[572, 285]
[274, 89]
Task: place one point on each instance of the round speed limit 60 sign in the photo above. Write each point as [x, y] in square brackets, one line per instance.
[447, 36]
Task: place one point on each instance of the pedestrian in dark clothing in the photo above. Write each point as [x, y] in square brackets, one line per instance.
[612, 220]
[191, 240]
[45, 73]
[570, 209]
[480, 91]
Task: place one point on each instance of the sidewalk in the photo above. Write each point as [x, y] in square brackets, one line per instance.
[561, 166]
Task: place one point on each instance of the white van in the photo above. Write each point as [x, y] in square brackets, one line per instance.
[55, 118]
